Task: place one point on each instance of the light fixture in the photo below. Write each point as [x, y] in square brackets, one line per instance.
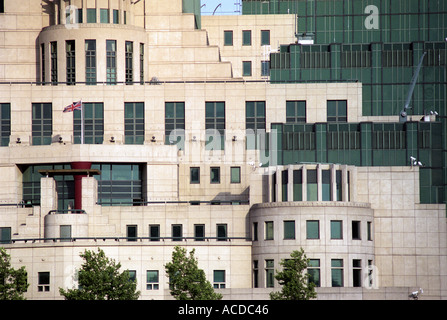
[234, 138]
[112, 139]
[18, 140]
[194, 138]
[153, 139]
[60, 140]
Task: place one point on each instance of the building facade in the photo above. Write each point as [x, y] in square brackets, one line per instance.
[189, 136]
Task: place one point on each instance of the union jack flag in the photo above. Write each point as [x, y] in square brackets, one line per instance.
[73, 106]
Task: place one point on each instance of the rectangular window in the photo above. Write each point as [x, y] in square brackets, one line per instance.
[175, 124]
[337, 272]
[116, 16]
[5, 124]
[336, 229]
[134, 122]
[91, 15]
[312, 188]
[255, 231]
[312, 229]
[255, 274]
[215, 175]
[295, 111]
[326, 185]
[42, 123]
[269, 273]
[369, 230]
[141, 63]
[132, 232]
[65, 233]
[2, 6]
[313, 270]
[356, 273]
[132, 275]
[265, 68]
[111, 61]
[289, 230]
[154, 232]
[215, 125]
[177, 232]
[42, 64]
[246, 68]
[265, 37]
[228, 38]
[219, 279]
[129, 62]
[337, 111]
[104, 15]
[235, 174]
[194, 175]
[53, 57]
[71, 62]
[43, 279]
[356, 230]
[199, 232]
[255, 123]
[5, 235]
[269, 230]
[221, 232]
[90, 62]
[152, 280]
[93, 123]
[246, 37]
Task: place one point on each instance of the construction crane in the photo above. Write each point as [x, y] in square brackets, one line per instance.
[403, 113]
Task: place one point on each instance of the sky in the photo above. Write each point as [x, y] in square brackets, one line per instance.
[226, 7]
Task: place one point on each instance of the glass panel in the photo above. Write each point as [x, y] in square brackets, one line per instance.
[336, 229]
[235, 174]
[269, 230]
[219, 275]
[195, 175]
[312, 229]
[289, 229]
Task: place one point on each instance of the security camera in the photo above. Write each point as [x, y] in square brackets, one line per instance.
[412, 158]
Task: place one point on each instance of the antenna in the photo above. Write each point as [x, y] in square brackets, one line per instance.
[219, 5]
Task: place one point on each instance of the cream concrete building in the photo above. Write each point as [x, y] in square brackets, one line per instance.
[182, 147]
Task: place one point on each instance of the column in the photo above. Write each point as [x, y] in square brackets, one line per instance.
[304, 183]
[333, 183]
[78, 182]
[319, 183]
[290, 183]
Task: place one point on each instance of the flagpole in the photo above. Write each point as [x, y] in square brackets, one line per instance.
[82, 123]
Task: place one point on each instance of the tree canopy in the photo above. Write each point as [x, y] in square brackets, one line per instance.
[13, 282]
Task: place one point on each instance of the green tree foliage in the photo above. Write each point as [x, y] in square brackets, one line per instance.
[100, 279]
[186, 280]
[13, 282]
[294, 279]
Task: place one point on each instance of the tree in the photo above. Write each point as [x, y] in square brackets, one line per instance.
[100, 279]
[294, 279]
[186, 280]
[13, 282]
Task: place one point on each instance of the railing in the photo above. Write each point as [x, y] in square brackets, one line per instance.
[67, 211]
[191, 202]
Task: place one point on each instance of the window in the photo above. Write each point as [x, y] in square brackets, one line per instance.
[228, 38]
[312, 229]
[5, 123]
[2, 6]
[152, 281]
[53, 58]
[141, 63]
[129, 62]
[369, 230]
[215, 125]
[71, 62]
[5, 235]
[312, 188]
[91, 15]
[255, 122]
[337, 111]
[215, 175]
[235, 173]
[337, 272]
[65, 233]
[269, 230]
[93, 123]
[265, 37]
[177, 232]
[104, 15]
[175, 124]
[246, 37]
[132, 275]
[116, 16]
[295, 111]
[42, 64]
[326, 185]
[219, 279]
[132, 232]
[111, 61]
[134, 122]
[199, 232]
[154, 232]
[356, 273]
[336, 229]
[255, 231]
[313, 270]
[246, 68]
[265, 68]
[289, 230]
[194, 175]
[42, 123]
[339, 185]
[43, 279]
[90, 62]
[269, 273]
[221, 232]
[356, 231]
[255, 274]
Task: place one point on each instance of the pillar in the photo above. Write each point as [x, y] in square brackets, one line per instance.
[78, 182]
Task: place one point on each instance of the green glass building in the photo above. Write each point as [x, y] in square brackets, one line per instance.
[378, 43]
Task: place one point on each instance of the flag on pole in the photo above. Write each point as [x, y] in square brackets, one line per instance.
[74, 106]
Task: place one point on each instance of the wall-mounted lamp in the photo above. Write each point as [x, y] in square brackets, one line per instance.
[18, 141]
[153, 139]
[234, 138]
[194, 138]
[112, 139]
